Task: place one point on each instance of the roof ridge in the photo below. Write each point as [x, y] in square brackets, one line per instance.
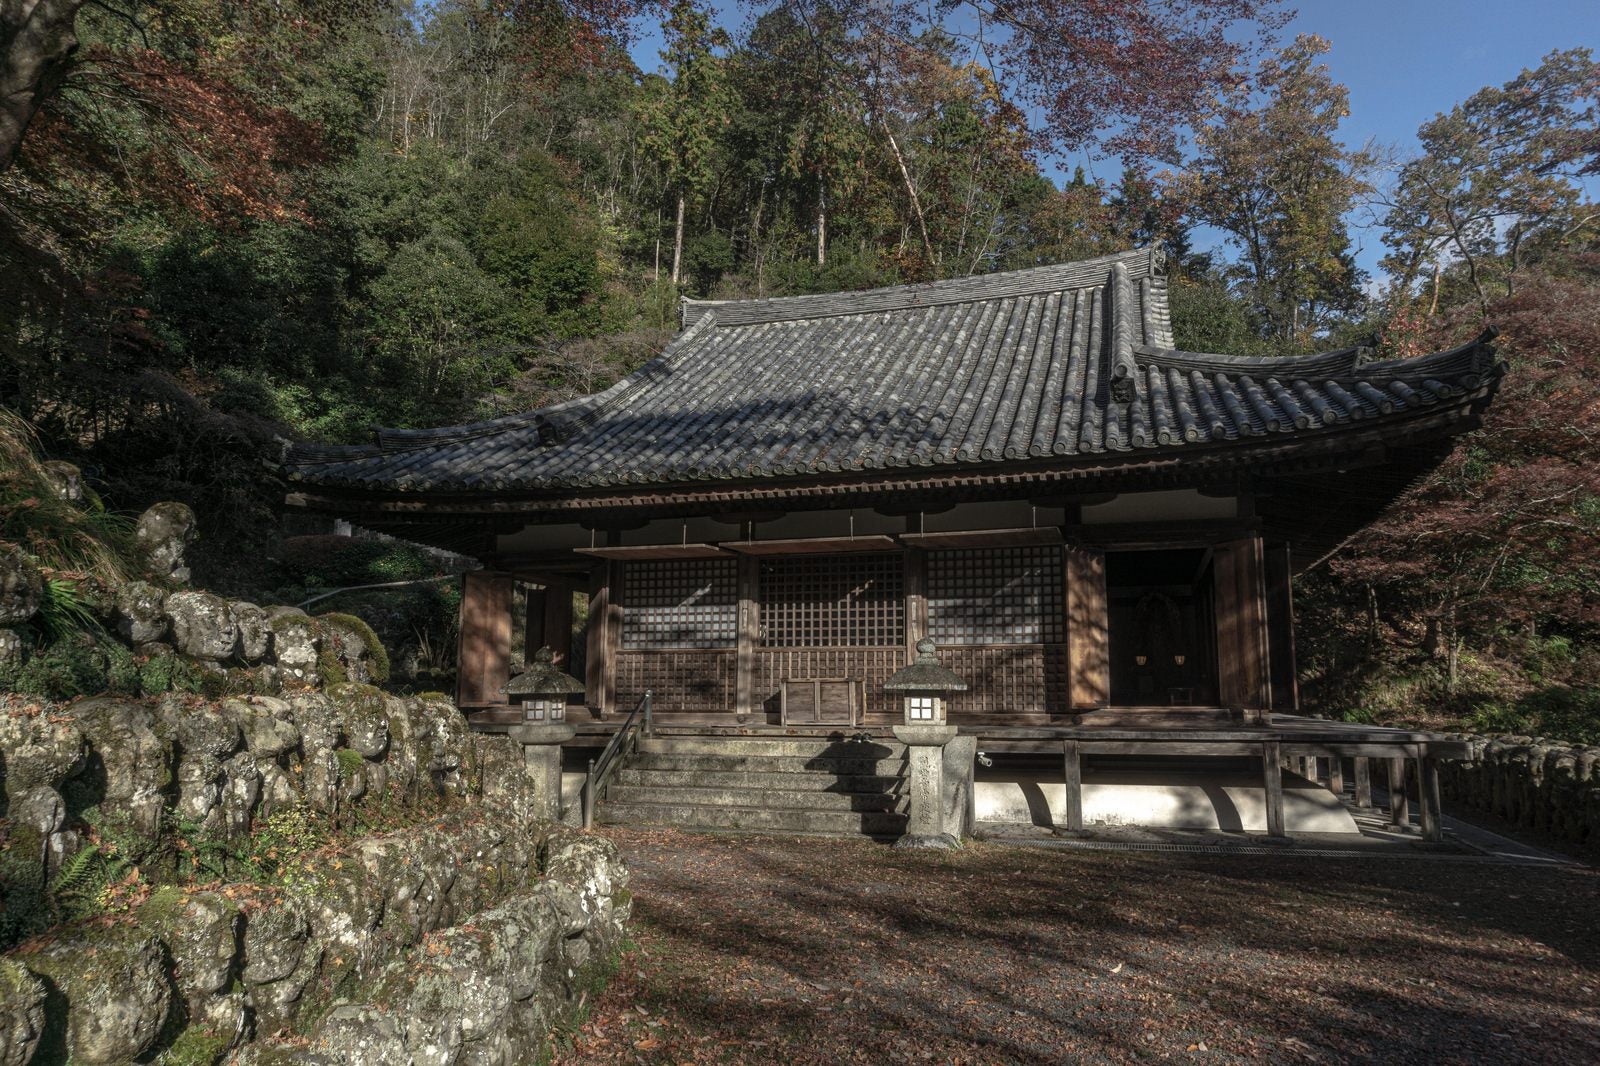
[1147, 262]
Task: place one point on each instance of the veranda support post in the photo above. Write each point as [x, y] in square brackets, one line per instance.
[1272, 771]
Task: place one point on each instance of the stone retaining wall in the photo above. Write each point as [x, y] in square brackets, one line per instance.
[1543, 785]
[458, 937]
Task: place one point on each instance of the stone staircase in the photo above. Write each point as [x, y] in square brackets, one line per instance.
[790, 784]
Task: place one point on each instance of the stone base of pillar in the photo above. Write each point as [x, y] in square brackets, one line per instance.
[925, 745]
[541, 758]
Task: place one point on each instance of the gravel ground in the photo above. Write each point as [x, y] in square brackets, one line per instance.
[798, 950]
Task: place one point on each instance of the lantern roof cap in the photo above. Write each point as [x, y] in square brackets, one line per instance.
[544, 678]
[925, 674]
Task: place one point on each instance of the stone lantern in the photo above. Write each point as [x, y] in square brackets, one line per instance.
[923, 686]
[543, 691]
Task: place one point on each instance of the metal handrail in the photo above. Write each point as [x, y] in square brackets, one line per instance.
[613, 753]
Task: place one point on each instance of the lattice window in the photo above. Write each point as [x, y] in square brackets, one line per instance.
[995, 596]
[681, 603]
[833, 601]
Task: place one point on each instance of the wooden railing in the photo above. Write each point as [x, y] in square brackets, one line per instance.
[622, 743]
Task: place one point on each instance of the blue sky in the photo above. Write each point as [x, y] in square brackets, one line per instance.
[1403, 60]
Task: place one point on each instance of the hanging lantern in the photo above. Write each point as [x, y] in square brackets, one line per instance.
[543, 690]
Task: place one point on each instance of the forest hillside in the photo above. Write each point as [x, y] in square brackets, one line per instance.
[227, 225]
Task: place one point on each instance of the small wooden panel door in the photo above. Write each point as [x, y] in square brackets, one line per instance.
[821, 701]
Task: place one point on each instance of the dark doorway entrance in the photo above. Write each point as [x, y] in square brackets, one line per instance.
[1163, 628]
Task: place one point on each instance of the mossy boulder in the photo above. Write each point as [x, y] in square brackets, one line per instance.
[21, 586]
[359, 652]
[296, 646]
[139, 614]
[37, 752]
[22, 997]
[164, 534]
[255, 631]
[363, 713]
[116, 992]
[203, 626]
[201, 930]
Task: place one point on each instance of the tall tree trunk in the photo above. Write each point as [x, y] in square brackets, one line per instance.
[822, 226]
[36, 53]
[677, 245]
[911, 191]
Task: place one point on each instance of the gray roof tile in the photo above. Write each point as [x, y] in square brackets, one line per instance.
[1067, 360]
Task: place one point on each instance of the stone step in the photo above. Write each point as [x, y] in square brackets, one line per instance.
[781, 747]
[634, 795]
[867, 764]
[694, 776]
[756, 819]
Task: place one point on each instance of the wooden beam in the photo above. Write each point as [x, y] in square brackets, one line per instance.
[558, 622]
[915, 582]
[812, 545]
[1073, 766]
[596, 644]
[1242, 646]
[1088, 628]
[654, 551]
[1336, 775]
[484, 653]
[1272, 773]
[747, 635]
[1399, 805]
[984, 538]
[533, 637]
[614, 610]
[1280, 629]
[1432, 810]
[1363, 771]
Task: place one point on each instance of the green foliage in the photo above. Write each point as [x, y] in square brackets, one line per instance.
[195, 1046]
[62, 611]
[169, 673]
[80, 664]
[1561, 712]
[60, 534]
[350, 764]
[338, 561]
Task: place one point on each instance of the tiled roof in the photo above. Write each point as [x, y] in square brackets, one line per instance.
[1054, 362]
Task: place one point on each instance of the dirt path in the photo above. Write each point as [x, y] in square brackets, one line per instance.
[802, 951]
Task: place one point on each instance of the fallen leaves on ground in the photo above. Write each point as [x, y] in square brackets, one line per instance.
[806, 950]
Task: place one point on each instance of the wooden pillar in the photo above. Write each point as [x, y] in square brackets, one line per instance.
[1336, 775]
[1088, 628]
[1363, 771]
[1280, 629]
[1428, 795]
[557, 628]
[533, 622]
[1399, 806]
[602, 633]
[484, 653]
[1073, 765]
[1242, 678]
[1272, 772]
[747, 636]
[915, 579]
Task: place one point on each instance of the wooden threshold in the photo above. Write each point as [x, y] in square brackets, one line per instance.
[812, 545]
[984, 538]
[654, 551]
